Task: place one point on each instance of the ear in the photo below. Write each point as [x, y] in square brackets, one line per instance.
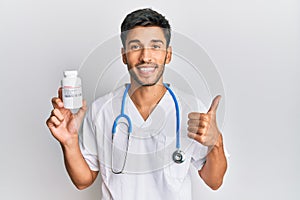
[169, 55]
[124, 59]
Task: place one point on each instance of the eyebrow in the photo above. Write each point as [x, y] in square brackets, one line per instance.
[133, 41]
[155, 41]
[138, 41]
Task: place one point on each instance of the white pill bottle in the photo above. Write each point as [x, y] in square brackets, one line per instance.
[71, 90]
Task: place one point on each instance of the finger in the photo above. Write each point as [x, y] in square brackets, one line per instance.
[199, 122]
[200, 130]
[203, 124]
[50, 125]
[193, 122]
[60, 92]
[204, 117]
[196, 115]
[57, 102]
[198, 125]
[57, 114]
[214, 104]
[199, 138]
[197, 130]
[193, 129]
[53, 121]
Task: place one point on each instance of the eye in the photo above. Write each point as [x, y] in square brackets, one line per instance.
[155, 46]
[135, 47]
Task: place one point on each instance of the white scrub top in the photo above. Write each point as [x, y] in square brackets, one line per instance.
[149, 171]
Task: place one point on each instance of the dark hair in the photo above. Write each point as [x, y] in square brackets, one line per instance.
[145, 17]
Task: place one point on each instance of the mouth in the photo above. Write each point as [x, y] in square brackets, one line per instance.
[146, 70]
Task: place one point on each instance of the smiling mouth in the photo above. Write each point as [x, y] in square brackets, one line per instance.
[146, 70]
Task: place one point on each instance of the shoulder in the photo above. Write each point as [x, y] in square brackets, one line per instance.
[103, 102]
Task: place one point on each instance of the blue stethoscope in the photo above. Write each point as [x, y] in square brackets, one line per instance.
[178, 156]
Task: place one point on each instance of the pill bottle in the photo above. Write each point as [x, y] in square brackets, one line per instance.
[71, 90]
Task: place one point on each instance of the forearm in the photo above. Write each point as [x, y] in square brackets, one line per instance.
[215, 166]
[76, 166]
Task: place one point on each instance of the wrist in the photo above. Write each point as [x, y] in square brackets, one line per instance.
[218, 144]
[71, 143]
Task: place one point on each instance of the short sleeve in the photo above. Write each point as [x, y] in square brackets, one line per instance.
[198, 157]
[87, 141]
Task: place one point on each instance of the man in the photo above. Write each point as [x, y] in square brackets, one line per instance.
[145, 37]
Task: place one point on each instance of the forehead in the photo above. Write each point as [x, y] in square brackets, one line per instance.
[146, 34]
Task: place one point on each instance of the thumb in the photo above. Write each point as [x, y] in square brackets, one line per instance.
[82, 110]
[79, 116]
[60, 93]
[214, 104]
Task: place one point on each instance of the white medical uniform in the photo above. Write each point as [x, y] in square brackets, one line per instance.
[149, 171]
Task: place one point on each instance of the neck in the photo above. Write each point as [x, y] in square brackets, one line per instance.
[146, 98]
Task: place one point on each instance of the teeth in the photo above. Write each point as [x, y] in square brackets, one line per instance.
[148, 69]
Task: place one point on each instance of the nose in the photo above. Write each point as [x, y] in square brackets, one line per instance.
[146, 55]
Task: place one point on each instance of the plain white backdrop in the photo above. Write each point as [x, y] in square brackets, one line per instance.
[255, 46]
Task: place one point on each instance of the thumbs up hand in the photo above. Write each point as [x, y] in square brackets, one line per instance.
[203, 127]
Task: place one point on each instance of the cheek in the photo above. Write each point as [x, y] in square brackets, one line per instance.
[132, 57]
[160, 57]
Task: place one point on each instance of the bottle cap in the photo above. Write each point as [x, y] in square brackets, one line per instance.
[70, 73]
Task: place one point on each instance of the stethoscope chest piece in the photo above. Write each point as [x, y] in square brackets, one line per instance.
[178, 156]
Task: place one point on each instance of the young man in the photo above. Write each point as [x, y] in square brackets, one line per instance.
[149, 105]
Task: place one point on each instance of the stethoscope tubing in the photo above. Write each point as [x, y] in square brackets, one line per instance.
[123, 115]
[177, 116]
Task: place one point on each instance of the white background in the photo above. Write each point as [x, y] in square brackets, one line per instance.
[254, 44]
